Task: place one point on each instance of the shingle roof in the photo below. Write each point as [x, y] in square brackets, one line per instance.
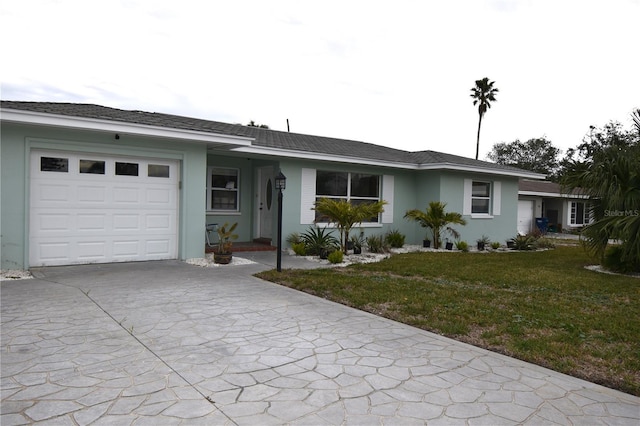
[546, 187]
[262, 137]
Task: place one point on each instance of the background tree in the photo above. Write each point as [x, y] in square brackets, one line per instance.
[537, 155]
[254, 124]
[613, 135]
[610, 176]
[483, 94]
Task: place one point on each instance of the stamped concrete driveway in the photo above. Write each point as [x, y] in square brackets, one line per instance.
[170, 343]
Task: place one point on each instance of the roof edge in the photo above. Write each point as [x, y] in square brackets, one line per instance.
[82, 123]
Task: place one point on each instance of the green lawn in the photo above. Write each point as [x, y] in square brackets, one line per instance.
[542, 307]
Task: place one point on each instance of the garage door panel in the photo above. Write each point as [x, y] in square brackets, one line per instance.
[93, 222]
[91, 250]
[126, 222]
[81, 217]
[157, 247]
[92, 194]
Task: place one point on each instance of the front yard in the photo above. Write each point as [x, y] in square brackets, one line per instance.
[543, 307]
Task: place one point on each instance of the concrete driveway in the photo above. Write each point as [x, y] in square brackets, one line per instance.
[170, 343]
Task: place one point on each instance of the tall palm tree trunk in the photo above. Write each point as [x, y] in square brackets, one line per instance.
[478, 138]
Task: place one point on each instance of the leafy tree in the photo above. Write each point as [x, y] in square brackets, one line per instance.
[345, 215]
[611, 178]
[483, 94]
[254, 124]
[437, 220]
[595, 142]
[537, 155]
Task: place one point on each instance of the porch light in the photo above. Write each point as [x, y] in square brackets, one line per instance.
[281, 182]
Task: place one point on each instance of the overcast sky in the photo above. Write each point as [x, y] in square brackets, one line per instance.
[395, 73]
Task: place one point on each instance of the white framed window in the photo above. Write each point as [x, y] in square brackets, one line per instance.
[579, 213]
[482, 199]
[223, 189]
[357, 188]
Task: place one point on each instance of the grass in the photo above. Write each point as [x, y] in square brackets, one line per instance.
[542, 307]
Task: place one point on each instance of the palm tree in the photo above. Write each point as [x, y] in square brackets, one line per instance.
[345, 214]
[612, 182]
[483, 94]
[437, 220]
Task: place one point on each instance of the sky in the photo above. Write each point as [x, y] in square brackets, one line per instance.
[394, 73]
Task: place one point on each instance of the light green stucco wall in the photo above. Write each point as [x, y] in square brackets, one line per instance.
[17, 142]
[498, 228]
[404, 195]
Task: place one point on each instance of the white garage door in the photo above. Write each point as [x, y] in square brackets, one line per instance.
[93, 208]
[525, 216]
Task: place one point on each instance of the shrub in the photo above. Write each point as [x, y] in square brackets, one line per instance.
[612, 260]
[335, 256]
[462, 246]
[299, 249]
[394, 238]
[317, 239]
[544, 242]
[495, 245]
[293, 238]
[376, 244]
[523, 242]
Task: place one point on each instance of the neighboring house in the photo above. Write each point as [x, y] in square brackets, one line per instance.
[90, 184]
[565, 211]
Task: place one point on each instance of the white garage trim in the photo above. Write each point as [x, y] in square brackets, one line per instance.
[96, 208]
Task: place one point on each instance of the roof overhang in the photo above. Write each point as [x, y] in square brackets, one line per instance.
[94, 124]
[551, 194]
[474, 169]
[307, 155]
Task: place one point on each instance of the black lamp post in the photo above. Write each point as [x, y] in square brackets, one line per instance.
[281, 184]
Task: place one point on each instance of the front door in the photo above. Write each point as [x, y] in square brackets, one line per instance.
[266, 202]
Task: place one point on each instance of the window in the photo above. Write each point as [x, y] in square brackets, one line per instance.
[52, 164]
[480, 197]
[126, 169]
[357, 188]
[223, 189]
[93, 167]
[158, 170]
[579, 214]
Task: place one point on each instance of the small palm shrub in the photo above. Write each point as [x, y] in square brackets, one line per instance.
[293, 238]
[299, 249]
[462, 246]
[335, 256]
[318, 239]
[523, 242]
[376, 244]
[394, 238]
[495, 245]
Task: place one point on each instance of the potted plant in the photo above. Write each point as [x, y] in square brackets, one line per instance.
[224, 254]
[437, 220]
[448, 245]
[426, 243]
[482, 242]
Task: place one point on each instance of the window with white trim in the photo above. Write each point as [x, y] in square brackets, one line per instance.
[480, 197]
[223, 189]
[357, 188]
[579, 214]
